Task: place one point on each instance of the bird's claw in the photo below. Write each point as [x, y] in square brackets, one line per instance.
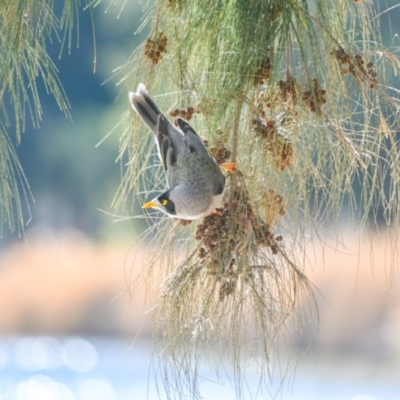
[230, 167]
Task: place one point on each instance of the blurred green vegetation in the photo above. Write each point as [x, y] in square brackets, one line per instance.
[71, 178]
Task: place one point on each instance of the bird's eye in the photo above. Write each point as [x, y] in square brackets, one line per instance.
[164, 202]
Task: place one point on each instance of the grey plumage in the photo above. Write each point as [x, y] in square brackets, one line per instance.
[196, 183]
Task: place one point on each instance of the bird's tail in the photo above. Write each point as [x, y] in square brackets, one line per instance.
[145, 106]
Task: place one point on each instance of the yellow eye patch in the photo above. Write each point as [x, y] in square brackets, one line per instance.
[164, 202]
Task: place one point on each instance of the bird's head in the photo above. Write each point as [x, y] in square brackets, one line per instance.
[163, 203]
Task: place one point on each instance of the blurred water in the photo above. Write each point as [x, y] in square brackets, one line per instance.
[107, 368]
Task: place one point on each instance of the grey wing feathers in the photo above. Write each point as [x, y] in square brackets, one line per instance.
[167, 151]
[145, 106]
[171, 141]
[192, 139]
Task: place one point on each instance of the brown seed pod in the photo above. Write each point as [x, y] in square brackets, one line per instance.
[315, 97]
[288, 91]
[265, 129]
[185, 114]
[263, 72]
[228, 233]
[277, 144]
[356, 66]
[155, 48]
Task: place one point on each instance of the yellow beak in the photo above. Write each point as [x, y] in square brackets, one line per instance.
[150, 204]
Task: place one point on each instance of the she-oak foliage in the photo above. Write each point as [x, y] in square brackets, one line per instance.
[300, 93]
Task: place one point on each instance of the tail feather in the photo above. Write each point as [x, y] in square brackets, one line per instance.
[162, 128]
[145, 106]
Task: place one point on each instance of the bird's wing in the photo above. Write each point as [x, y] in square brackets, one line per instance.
[162, 128]
[168, 153]
[192, 139]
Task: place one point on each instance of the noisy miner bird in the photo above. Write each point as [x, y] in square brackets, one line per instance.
[195, 181]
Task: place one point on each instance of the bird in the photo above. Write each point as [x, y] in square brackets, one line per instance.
[195, 181]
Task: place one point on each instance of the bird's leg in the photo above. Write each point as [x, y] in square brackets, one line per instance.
[217, 212]
[230, 167]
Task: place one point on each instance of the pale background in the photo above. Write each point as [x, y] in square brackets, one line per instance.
[66, 320]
